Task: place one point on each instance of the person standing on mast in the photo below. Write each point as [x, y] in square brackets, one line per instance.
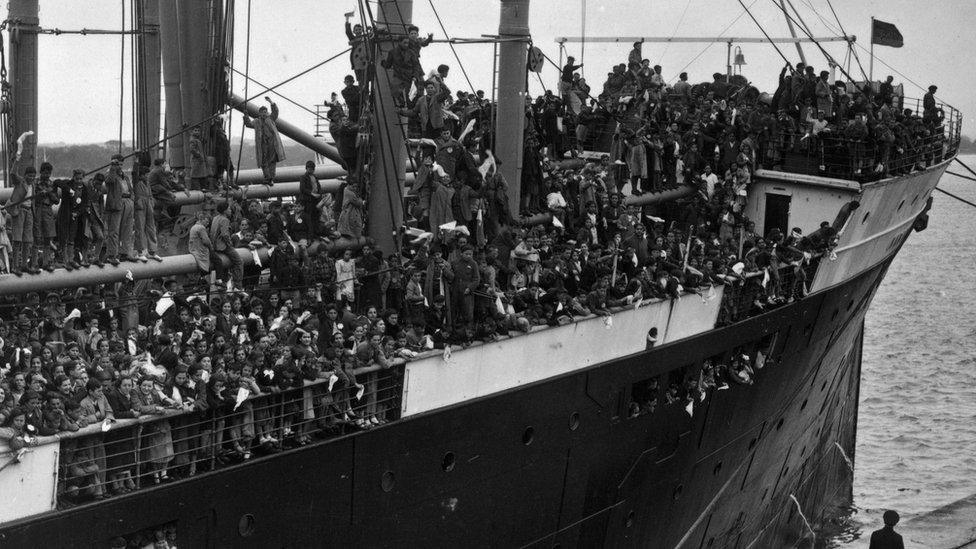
[267, 143]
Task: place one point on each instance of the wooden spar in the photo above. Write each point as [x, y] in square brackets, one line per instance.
[700, 39]
[288, 129]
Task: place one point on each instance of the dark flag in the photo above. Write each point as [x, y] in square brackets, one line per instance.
[885, 34]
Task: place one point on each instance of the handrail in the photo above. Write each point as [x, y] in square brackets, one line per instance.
[95, 428]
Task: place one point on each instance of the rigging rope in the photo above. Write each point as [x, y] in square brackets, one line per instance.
[865, 50]
[826, 54]
[710, 44]
[959, 198]
[674, 31]
[210, 118]
[281, 95]
[247, 69]
[451, 44]
[780, 52]
[850, 44]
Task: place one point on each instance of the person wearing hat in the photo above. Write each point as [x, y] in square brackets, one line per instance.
[70, 193]
[45, 233]
[91, 224]
[200, 245]
[308, 197]
[119, 213]
[199, 171]
[223, 246]
[929, 106]
[887, 538]
[21, 210]
[267, 143]
[352, 95]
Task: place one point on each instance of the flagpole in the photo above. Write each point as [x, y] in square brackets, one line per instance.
[871, 69]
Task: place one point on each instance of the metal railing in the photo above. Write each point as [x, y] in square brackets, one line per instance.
[749, 296]
[134, 454]
[828, 154]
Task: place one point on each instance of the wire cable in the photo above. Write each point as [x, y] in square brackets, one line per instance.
[451, 44]
[674, 32]
[763, 30]
[710, 44]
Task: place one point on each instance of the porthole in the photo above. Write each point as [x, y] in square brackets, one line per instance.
[914, 200]
[528, 435]
[630, 519]
[850, 305]
[711, 541]
[717, 469]
[779, 424]
[863, 221]
[245, 526]
[833, 315]
[388, 481]
[804, 405]
[752, 443]
[447, 464]
[677, 492]
[824, 386]
[900, 205]
[574, 421]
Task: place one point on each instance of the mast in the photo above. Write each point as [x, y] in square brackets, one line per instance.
[24, 26]
[169, 30]
[385, 204]
[147, 78]
[510, 121]
[193, 18]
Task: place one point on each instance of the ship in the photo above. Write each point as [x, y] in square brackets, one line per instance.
[542, 439]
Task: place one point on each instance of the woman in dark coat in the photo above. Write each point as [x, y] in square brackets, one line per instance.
[120, 449]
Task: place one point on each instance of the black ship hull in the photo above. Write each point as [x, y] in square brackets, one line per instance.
[557, 463]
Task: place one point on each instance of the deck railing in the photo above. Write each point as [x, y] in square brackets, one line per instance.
[745, 297]
[138, 453]
[829, 155]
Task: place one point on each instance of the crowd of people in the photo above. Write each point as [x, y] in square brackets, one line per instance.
[465, 268]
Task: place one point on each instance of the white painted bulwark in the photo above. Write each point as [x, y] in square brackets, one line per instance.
[27, 487]
[433, 382]
[888, 209]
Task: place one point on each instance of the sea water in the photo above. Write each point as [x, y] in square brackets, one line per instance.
[916, 427]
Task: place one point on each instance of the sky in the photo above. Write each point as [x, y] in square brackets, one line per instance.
[79, 75]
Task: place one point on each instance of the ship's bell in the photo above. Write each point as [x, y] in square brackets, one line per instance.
[740, 59]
